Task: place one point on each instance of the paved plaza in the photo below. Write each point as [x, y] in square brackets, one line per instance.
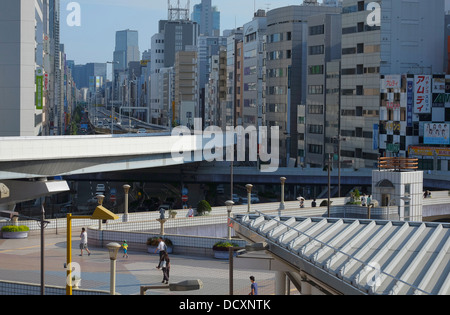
[20, 261]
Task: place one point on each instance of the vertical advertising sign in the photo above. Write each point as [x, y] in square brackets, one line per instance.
[422, 94]
[409, 104]
[39, 89]
[376, 133]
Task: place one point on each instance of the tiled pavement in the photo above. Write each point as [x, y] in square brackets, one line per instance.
[20, 261]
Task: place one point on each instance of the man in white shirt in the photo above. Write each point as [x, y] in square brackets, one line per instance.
[83, 242]
[162, 250]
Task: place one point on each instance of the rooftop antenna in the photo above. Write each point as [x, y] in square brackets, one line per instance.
[178, 13]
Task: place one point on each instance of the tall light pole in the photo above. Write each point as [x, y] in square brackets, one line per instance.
[249, 196]
[126, 189]
[113, 249]
[282, 204]
[229, 204]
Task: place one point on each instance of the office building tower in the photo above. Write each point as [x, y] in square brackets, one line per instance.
[27, 46]
[286, 61]
[126, 50]
[82, 73]
[207, 46]
[234, 54]
[208, 17]
[173, 36]
[254, 70]
[185, 106]
[321, 117]
[389, 37]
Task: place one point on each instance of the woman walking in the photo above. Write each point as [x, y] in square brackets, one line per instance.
[165, 265]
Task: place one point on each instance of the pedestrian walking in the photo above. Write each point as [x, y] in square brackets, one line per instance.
[253, 287]
[83, 242]
[314, 203]
[165, 265]
[162, 248]
[125, 249]
[190, 212]
[302, 202]
[363, 200]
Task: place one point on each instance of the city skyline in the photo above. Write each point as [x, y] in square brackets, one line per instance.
[98, 30]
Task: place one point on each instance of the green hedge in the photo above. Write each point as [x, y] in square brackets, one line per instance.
[223, 246]
[203, 207]
[15, 228]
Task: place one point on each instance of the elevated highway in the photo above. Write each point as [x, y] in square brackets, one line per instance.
[37, 157]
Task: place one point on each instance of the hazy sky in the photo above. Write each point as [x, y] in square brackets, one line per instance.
[94, 39]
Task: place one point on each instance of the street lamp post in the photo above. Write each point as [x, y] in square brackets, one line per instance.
[113, 249]
[249, 196]
[229, 204]
[126, 189]
[100, 199]
[282, 204]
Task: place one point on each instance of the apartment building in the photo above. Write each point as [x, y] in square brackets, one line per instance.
[388, 37]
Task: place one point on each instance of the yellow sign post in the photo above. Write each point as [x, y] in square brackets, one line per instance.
[100, 213]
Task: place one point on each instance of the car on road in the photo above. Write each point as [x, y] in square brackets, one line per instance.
[164, 207]
[254, 198]
[101, 188]
[141, 130]
[220, 190]
[235, 198]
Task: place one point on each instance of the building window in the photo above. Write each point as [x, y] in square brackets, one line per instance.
[315, 109]
[315, 89]
[315, 149]
[315, 69]
[316, 50]
[317, 30]
[315, 129]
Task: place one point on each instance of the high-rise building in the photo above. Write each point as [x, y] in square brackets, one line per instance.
[82, 73]
[185, 106]
[386, 38]
[286, 59]
[322, 117]
[207, 46]
[208, 17]
[173, 36]
[230, 116]
[254, 70]
[29, 46]
[126, 50]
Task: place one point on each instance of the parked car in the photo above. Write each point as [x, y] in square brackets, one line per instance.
[101, 188]
[166, 207]
[235, 198]
[254, 198]
[220, 189]
[142, 130]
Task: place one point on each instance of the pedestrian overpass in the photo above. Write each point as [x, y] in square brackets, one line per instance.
[349, 256]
